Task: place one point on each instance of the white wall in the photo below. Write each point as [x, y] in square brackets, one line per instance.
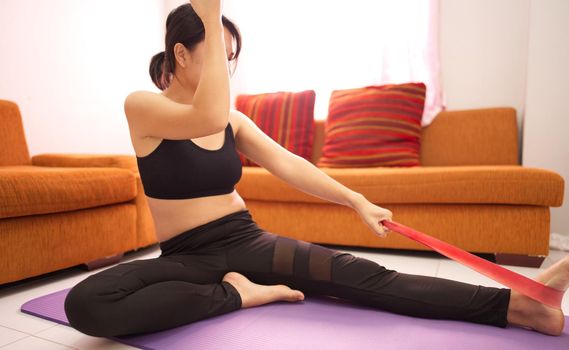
[484, 53]
[69, 64]
[546, 122]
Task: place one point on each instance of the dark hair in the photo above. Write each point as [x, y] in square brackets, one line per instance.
[184, 26]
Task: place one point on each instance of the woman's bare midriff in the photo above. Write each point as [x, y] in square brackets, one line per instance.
[172, 217]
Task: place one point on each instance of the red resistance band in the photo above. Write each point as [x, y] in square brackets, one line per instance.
[544, 294]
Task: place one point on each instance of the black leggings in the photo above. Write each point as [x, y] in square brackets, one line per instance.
[185, 284]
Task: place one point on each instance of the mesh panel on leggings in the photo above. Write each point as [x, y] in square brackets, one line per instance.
[302, 259]
[283, 255]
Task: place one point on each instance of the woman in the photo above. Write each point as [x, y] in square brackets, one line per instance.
[215, 259]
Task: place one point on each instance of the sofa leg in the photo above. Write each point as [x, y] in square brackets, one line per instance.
[102, 262]
[519, 260]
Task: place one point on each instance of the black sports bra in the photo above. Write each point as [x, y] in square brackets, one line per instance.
[180, 169]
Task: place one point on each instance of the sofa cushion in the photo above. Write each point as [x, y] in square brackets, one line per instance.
[456, 184]
[374, 126]
[286, 117]
[29, 190]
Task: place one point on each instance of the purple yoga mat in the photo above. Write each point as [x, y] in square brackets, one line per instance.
[320, 323]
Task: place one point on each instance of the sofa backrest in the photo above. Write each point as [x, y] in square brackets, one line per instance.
[468, 137]
[13, 146]
[471, 137]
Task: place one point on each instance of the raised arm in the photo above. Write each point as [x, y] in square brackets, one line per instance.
[151, 114]
[212, 93]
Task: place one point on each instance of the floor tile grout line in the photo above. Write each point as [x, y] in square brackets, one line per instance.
[53, 341]
[17, 340]
[13, 329]
[25, 332]
[40, 338]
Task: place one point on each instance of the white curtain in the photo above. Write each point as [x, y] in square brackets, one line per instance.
[296, 45]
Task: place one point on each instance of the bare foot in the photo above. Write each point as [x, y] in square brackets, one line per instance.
[253, 294]
[552, 272]
[529, 313]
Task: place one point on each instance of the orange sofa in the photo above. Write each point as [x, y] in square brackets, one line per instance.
[61, 210]
[469, 191]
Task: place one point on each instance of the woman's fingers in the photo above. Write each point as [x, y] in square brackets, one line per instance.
[383, 228]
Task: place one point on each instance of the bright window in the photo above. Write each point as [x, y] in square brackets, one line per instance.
[298, 45]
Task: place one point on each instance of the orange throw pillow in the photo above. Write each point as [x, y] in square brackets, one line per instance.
[286, 117]
[374, 126]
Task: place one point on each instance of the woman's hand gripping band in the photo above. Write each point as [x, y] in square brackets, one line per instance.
[373, 216]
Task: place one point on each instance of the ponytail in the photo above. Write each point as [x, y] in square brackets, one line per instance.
[157, 71]
[183, 25]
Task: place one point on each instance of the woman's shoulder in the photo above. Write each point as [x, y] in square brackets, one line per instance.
[138, 97]
[143, 93]
[236, 119]
[142, 102]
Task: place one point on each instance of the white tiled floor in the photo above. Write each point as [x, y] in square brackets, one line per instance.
[22, 331]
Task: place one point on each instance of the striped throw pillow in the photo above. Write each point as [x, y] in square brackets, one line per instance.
[374, 126]
[286, 117]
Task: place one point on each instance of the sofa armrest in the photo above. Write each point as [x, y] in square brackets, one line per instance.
[144, 222]
[471, 137]
[86, 161]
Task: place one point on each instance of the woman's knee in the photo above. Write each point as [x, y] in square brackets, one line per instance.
[85, 309]
[357, 271]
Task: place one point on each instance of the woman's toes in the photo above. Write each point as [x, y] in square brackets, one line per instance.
[557, 275]
[296, 295]
[287, 294]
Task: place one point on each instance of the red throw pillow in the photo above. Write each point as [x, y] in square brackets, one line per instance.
[287, 117]
[374, 126]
